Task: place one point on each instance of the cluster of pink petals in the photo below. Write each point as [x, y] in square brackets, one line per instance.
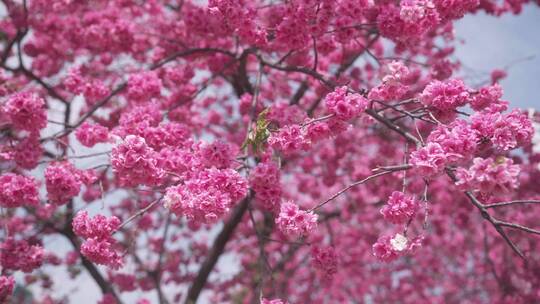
[102, 251]
[430, 160]
[218, 154]
[178, 160]
[207, 195]
[454, 9]
[408, 22]
[19, 255]
[28, 152]
[399, 208]
[264, 180]
[294, 222]
[506, 131]
[144, 86]
[125, 282]
[98, 226]
[63, 181]
[99, 244]
[90, 134]
[445, 96]
[92, 91]
[415, 10]
[388, 248]
[486, 96]
[393, 85]
[18, 190]
[489, 176]
[138, 119]
[26, 111]
[325, 260]
[284, 114]
[165, 135]
[6, 288]
[289, 140]
[135, 163]
[318, 131]
[344, 105]
[458, 140]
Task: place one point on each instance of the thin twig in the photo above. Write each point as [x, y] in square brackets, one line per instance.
[340, 192]
[519, 202]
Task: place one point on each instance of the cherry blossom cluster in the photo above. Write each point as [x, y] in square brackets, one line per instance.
[26, 111]
[399, 208]
[143, 86]
[18, 190]
[294, 222]
[445, 96]
[92, 90]
[91, 134]
[345, 106]
[395, 82]
[334, 150]
[388, 248]
[7, 284]
[264, 180]
[489, 176]
[342, 106]
[206, 196]
[505, 131]
[99, 245]
[325, 259]
[63, 181]
[134, 162]
[20, 255]
[289, 139]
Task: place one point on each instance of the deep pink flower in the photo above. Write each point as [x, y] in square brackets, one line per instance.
[17, 190]
[429, 160]
[344, 105]
[294, 222]
[19, 255]
[325, 259]
[399, 208]
[63, 182]
[289, 139]
[99, 226]
[135, 163]
[142, 87]
[206, 196]
[7, 283]
[264, 180]
[445, 96]
[26, 111]
[91, 134]
[489, 176]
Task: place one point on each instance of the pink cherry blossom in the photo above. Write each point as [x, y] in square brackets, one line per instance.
[399, 208]
[7, 284]
[91, 134]
[17, 190]
[295, 222]
[429, 160]
[26, 111]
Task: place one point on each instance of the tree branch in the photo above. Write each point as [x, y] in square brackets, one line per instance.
[340, 192]
[104, 285]
[215, 252]
[504, 204]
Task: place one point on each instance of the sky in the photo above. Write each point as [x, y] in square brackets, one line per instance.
[509, 41]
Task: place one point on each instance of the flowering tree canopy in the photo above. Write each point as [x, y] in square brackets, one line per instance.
[260, 151]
